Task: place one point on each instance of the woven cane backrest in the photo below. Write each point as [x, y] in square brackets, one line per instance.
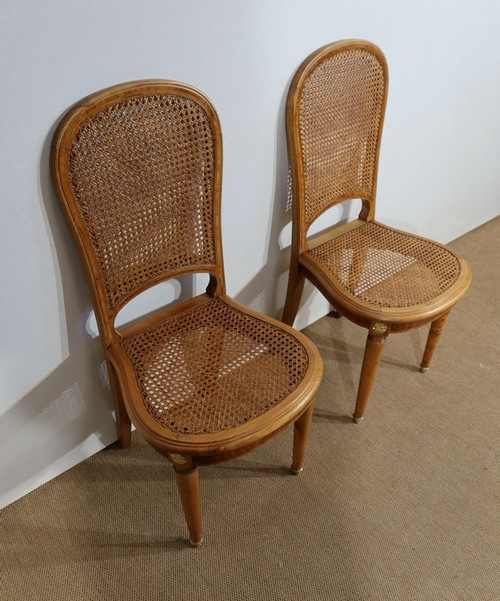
[138, 168]
[335, 112]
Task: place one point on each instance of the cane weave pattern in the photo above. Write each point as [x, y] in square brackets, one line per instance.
[339, 114]
[387, 268]
[142, 172]
[214, 367]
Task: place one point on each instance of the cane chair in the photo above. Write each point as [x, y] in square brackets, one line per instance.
[380, 278]
[137, 168]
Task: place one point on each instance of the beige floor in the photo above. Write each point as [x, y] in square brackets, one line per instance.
[404, 506]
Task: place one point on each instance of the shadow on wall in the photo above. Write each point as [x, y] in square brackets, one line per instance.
[257, 293]
[50, 428]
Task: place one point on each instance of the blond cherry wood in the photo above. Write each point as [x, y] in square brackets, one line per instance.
[383, 279]
[138, 170]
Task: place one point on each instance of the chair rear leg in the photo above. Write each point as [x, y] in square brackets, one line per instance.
[300, 435]
[188, 485]
[435, 332]
[373, 354]
[294, 291]
[123, 426]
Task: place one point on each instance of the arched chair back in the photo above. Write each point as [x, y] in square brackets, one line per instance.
[137, 168]
[382, 279]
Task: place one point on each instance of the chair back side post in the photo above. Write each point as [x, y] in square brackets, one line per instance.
[333, 142]
[138, 170]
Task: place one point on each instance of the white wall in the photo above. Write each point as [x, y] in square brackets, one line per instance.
[439, 167]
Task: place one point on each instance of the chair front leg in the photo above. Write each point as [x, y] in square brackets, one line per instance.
[374, 349]
[188, 485]
[301, 429]
[436, 329]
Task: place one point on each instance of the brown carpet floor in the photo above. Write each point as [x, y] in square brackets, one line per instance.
[404, 506]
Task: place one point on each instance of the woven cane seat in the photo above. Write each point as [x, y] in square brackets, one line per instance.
[387, 268]
[214, 367]
[383, 279]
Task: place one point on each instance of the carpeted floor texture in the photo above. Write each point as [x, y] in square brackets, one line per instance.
[404, 506]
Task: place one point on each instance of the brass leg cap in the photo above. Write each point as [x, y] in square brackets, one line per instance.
[196, 544]
[297, 471]
[423, 369]
[357, 420]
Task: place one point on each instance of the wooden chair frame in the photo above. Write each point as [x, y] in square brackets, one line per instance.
[308, 155]
[120, 182]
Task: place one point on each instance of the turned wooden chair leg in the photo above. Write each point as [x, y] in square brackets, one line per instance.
[188, 485]
[435, 332]
[294, 291]
[373, 354]
[123, 426]
[300, 435]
